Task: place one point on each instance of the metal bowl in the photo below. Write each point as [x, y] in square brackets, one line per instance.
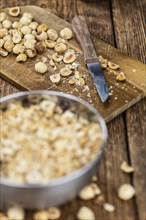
[65, 188]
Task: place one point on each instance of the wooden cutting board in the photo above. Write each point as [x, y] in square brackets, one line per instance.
[124, 94]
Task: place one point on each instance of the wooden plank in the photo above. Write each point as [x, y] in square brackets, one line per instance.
[24, 76]
[129, 20]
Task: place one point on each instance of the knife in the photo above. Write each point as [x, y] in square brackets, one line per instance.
[81, 31]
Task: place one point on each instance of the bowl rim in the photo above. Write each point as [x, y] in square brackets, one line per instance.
[75, 174]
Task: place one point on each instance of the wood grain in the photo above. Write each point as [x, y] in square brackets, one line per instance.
[130, 37]
[23, 75]
[99, 18]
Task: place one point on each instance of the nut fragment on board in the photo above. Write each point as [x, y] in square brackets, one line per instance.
[30, 53]
[33, 25]
[21, 57]
[89, 191]
[56, 57]
[25, 20]
[40, 47]
[121, 77]
[103, 62]
[7, 24]
[60, 47]
[1, 42]
[65, 71]
[113, 66]
[55, 78]
[28, 15]
[69, 57]
[50, 44]
[14, 11]
[16, 213]
[126, 191]
[3, 16]
[41, 215]
[8, 46]
[42, 27]
[41, 36]
[52, 34]
[66, 33]
[108, 207]
[54, 213]
[126, 168]
[85, 213]
[41, 67]
[3, 52]
[71, 81]
[51, 62]
[18, 48]
[3, 32]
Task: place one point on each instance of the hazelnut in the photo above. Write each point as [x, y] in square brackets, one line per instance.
[25, 20]
[42, 27]
[3, 52]
[18, 49]
[55, 78]
[40, 47]
[1, 42]
[52, 34]
[21, 57]
[30, 53]
[17, 25]
[126, 168]
[15, 11]
[65, 71]
[41, 67]
[113, 66]
[71, 81]
[85, 213]
[50, 43]
[3, 32]
[56, 57]
[108, 207]
[41, 215]
[8, 45]
[17, 38]
[16, 213]
[121, 77]
[69, 57]
[66, 33]
[60, 47]
[103, 62]
[29, 37]
[42, 36]
[33, 25]
[54, 213]
[7, 24]
[60, 40]
[3, 16]
[26, 30]
[28, 15]
[126, 191]
[30, 44]
[7, 37]
[52, 63]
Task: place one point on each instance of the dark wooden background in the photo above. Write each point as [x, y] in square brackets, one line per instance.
[120, 23]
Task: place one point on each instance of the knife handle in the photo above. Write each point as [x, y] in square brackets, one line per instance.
[81, 31]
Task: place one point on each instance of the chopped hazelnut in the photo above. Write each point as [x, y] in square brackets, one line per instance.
[15, 11]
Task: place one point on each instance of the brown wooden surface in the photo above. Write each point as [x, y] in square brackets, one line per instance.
[120, 23]
[24, 76]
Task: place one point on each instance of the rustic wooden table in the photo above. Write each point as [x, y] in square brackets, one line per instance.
[120, 23]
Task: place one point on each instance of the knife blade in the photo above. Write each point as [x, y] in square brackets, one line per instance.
[81, 31]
